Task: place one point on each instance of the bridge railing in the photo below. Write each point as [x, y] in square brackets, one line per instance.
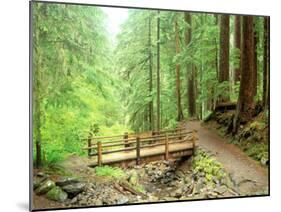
[102, 145]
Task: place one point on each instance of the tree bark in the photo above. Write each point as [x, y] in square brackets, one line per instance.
[255, 70]
[266, 63]
[190, 70]
[237, 44]
[158, 71]
[245, 105]
[178, 82]
[224, 54]
[36, 87]
[150, 105]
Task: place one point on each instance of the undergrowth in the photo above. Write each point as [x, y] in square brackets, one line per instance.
[109, 171]
[208, 166]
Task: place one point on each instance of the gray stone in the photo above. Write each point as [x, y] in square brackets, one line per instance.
[264, 160]
[57, 194]
[122, 200]
[45, 187]
[98, 202]
[221, 189]
[74, 189]
[170, 198]
[37, 181]
[42, 174]
[63, 181]
[133, 179]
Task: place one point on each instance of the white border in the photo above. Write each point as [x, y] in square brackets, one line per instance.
[14, 103]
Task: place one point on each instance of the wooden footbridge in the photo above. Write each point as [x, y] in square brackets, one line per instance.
[132, 149]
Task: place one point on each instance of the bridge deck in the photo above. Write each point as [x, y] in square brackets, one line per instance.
[145, 152]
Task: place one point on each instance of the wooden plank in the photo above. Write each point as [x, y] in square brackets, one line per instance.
[133, 134]
[94, 146]
[144, 139]
[146, 152]
[115, 151]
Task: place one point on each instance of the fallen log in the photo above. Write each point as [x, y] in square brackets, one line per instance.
[221, 107]
[126, 186]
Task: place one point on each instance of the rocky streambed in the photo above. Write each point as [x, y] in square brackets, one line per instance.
[198, 177]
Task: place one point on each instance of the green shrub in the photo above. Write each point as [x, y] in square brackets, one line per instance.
[205, 164]
[110, 172]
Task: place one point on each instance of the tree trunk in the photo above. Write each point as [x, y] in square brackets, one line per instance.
[266, 63]
[158, 71]
[255, 71]
[36, 89]
[237, 44]
[224, 54]
[150, 105]
[190, 70]
[245, 105]
[178, 83]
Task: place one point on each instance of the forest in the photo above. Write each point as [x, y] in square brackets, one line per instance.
[164, 68]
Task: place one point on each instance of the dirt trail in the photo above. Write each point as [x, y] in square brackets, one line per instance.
[249, 176]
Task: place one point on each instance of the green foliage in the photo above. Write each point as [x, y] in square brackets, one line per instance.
[109, 171]
[258, 151]
[83, 84]
[74, 84]
[207, 165]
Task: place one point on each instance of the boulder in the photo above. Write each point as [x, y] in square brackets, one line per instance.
[45, 187]
[57, 194]
[74, 189]
[37, 181]
[63, 181]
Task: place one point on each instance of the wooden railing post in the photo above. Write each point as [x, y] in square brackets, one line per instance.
[180, 134]
[99, 153]
[193, 140]
[138, 151]
[166, 147]
[126, 136]
[89, 144]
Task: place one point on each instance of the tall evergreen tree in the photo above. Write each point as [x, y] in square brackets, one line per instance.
[245, 105]
[224, 53]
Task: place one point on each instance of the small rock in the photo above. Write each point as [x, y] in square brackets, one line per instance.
[215, 180]
[42, 174]
[133, 178]
[57, 194]
[74, 189]
[221, 189]
[45, 187]
[170, 198]
[264, 161]
[74, 200]
[178, 193]
[122, 200]
[98, 202]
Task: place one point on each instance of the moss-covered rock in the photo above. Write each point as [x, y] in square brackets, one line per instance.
[57, 194]
[133, 178]
[45, 187]
[37, 181]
